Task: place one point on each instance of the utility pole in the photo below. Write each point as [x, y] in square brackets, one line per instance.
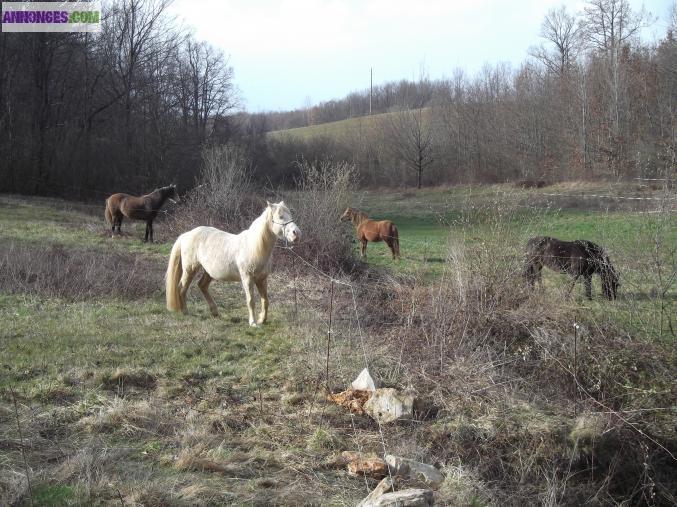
[371, 86]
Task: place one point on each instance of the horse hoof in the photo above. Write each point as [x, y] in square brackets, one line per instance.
[253, 324]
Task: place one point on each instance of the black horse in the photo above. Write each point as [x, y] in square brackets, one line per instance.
[577, 258]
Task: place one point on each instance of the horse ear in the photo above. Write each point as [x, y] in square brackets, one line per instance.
[269, 204]
[281, 203]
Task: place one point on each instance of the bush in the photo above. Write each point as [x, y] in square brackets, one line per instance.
[221, 197]
[323, 193]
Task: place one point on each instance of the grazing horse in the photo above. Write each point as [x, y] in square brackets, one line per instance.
[577, 258]
[372, 230]
[145, 208]
[243, 257]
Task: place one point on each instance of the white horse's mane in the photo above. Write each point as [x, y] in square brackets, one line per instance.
[259, 235]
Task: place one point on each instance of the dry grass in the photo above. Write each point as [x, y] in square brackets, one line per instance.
[56, 271]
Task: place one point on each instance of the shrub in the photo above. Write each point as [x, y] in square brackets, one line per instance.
[323, 193]
[221, 197]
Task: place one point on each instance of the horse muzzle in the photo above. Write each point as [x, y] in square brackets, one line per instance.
[293, 234]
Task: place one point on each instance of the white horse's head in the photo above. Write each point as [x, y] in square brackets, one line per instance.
[282, 223]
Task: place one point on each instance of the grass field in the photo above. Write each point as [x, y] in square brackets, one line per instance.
[429, 220]
[119, 401]
[338, 130]
[334, 130]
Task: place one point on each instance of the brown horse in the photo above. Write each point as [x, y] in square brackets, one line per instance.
[372, 230]
[577, 258]
[145, 208]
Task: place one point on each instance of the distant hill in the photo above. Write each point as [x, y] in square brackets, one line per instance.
[338, 130]
[343, 130]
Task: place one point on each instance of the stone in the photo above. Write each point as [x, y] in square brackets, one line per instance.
[371, 466]
[364, 382]
[386, 405]
[403, 498]
[352, 399]
[415, 470]
[360, 463]
[381, 489]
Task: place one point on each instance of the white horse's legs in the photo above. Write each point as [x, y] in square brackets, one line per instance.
[248, 286]
[262, 286]
[204, 285]
[186, 279]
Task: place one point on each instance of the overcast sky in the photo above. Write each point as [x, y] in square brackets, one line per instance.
[286, 51]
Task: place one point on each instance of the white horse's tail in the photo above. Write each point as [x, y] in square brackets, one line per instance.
[173, 277]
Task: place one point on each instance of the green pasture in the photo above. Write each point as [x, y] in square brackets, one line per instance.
[343, 129]
[170, 392]
[498, 221]
[77, 225]
[156, 404]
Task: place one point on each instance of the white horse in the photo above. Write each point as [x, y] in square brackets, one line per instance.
[244, 257]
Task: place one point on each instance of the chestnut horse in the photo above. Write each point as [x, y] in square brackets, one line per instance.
[372, 230]
[576, 258]
[145, 208]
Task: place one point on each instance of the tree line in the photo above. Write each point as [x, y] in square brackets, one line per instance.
[134, 107]
[592, 101]
[125, 109]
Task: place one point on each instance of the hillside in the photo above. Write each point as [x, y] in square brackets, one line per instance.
[344, 130]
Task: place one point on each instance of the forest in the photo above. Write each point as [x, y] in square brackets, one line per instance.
[132, 107]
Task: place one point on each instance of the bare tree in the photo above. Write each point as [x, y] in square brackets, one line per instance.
[136, 36]
[608, 26]
[411, 139]
[563, 31]
[205, 88]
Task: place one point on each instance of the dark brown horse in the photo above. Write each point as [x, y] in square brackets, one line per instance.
[372, 230]
[576, 258]
[145, 208]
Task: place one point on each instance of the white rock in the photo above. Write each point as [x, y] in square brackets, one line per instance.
[411, 469]
[364, 382]
[381, 489]
[403, 498]
[387, 405]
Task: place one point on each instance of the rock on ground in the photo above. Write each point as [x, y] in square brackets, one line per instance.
[364, 382]
[352, 399]
[387, 405]
[403, 498]
[411, 469]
